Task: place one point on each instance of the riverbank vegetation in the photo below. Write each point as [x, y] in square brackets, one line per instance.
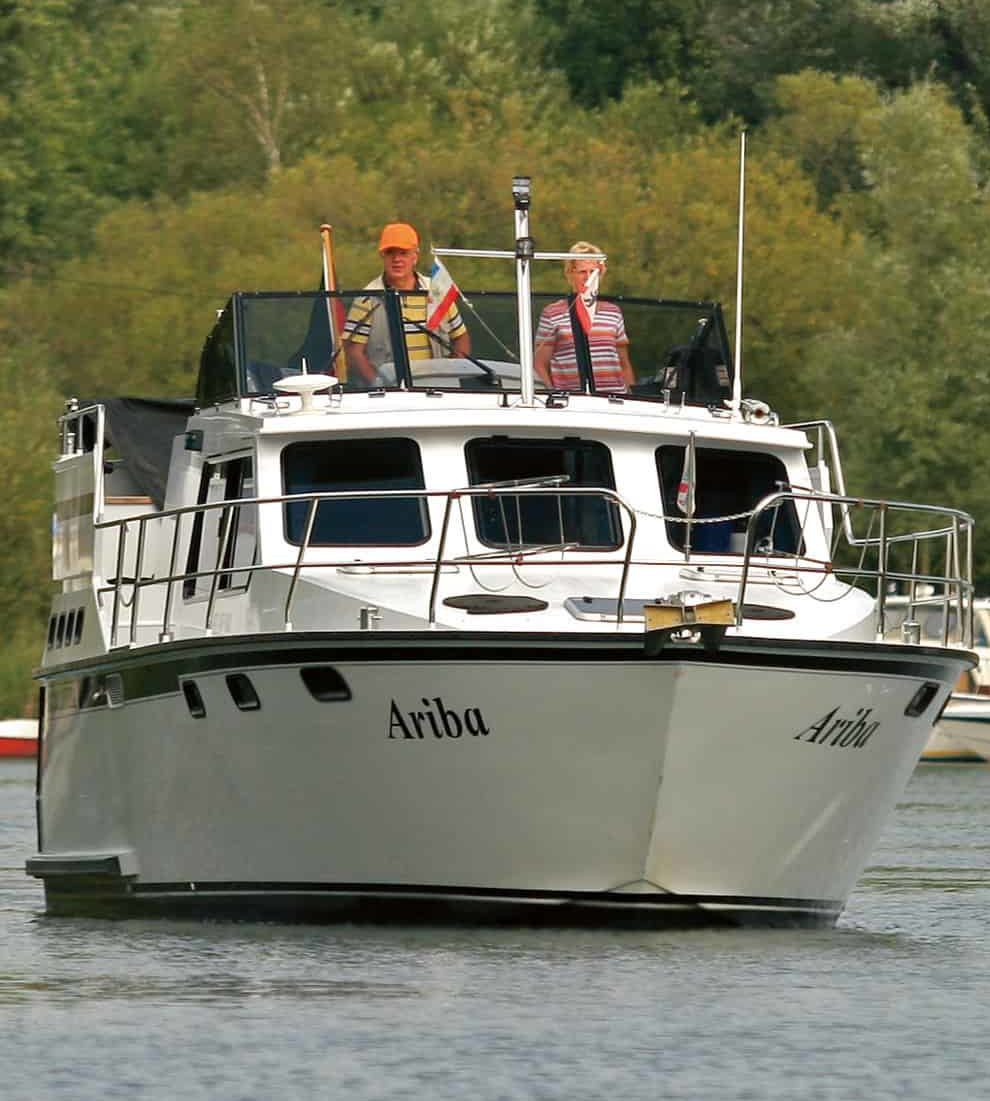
[155, 157]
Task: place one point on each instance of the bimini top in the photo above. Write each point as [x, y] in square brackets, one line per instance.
[679, 349]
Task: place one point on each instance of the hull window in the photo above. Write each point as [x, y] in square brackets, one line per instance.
[194, 699]
[324, 683]
[922, 699]
[548, 519]
[242, 692]
[355, 466]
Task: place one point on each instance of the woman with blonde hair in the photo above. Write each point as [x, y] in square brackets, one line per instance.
[603, 326]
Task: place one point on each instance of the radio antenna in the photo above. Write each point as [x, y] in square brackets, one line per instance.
[737, 379]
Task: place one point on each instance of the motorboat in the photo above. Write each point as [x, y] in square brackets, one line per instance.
[453, 644]
[967, 710]
[18, 738]
[962, 733]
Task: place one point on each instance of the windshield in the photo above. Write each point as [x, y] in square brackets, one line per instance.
[373, 339]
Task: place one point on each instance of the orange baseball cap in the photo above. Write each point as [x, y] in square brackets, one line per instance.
[398, 235]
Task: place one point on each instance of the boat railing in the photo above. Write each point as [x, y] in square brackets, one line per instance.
[511, 555]
[887, 556]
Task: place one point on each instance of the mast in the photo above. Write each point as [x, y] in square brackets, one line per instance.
[737, 379]
[525, 250]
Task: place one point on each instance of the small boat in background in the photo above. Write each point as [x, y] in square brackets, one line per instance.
[963, 731]
[18, 737]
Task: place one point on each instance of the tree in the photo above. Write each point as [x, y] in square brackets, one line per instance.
[66, 79]
[913, 394]
[602, 47]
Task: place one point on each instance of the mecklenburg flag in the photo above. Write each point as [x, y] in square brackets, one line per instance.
[685, 488]
[584, 303]
[442, 295]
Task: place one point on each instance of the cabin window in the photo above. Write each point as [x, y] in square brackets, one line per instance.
[546, 520]
[223, 537]
[728, 484]
[355, 466]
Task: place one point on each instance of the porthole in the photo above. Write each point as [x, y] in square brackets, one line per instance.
[325, 683]
[242, 692]
[921, 699]
[114, 686]
[194, 699]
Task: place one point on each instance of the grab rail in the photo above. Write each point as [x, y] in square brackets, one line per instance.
[511, 555]
[955, 580]
[955, 529]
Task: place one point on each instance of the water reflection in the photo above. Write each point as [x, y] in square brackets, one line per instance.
[203, 989]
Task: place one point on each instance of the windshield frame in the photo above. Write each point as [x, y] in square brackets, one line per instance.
[479, 370]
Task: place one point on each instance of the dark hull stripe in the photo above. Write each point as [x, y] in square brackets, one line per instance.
[155, 670]
[962, 758]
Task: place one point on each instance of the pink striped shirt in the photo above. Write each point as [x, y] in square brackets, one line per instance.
[608, 331]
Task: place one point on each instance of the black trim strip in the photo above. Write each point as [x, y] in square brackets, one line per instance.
[388, 902]
[155, 671]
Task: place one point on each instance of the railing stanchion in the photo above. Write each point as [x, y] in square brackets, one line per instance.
[166, 631]
[626, 562]
[136, 598]
[303, 547]
[118, 581]
[438, 563]
[226, 527]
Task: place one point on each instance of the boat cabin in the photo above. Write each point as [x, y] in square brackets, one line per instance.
[295, 492]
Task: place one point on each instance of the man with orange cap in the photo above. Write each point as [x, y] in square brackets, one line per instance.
[366, 335]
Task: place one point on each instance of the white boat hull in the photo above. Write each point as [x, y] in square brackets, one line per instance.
[553, 776]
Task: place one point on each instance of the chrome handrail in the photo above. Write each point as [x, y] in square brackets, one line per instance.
[957, 585]
[955, 526]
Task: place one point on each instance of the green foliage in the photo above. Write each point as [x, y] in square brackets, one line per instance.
[68, 119]
[905, 370]
[602, 47]
[28, 411]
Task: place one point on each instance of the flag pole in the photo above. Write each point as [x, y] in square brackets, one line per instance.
[737, 379]
[688, 476]
[330, 284]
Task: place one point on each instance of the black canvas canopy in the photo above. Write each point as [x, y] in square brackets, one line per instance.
[141, 431]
